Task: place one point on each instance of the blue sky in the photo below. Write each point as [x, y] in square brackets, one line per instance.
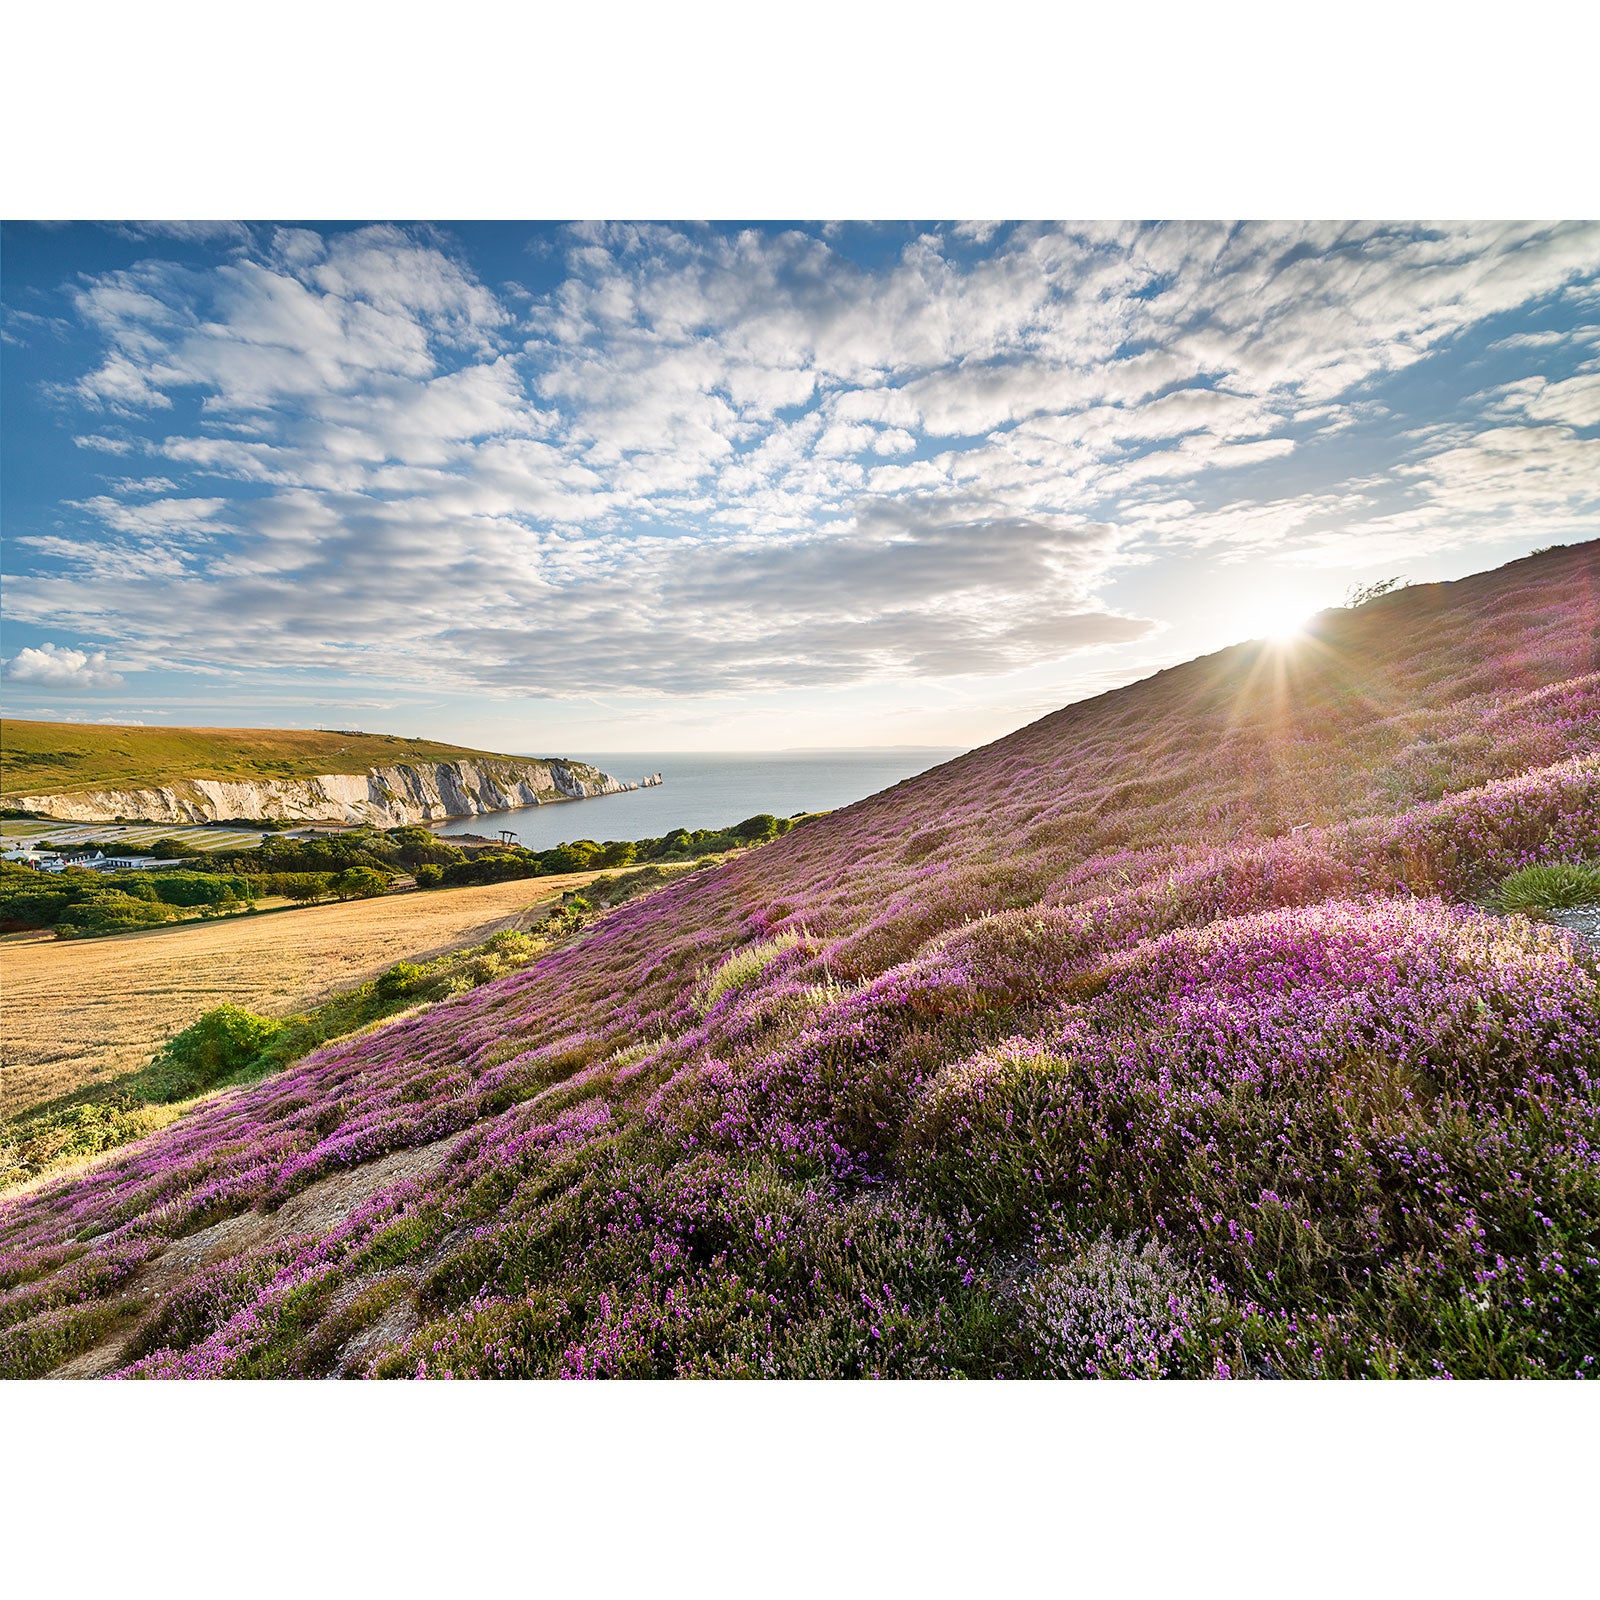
[601, 487]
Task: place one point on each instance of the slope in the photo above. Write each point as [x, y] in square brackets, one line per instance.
[1162, 1036]
[73, 757]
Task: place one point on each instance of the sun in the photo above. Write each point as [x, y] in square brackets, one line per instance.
[1276, 617]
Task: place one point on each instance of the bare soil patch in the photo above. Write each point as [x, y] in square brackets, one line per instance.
[81, 1010]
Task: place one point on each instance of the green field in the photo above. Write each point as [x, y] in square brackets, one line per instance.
[38, 758]
[201, 836]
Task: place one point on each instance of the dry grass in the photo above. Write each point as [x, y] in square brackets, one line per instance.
[79, 1011]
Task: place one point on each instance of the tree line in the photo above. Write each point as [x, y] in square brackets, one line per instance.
[358, 863]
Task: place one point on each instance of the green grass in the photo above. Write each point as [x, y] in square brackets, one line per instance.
[70, 757]
[742, 968]
[1550, 886]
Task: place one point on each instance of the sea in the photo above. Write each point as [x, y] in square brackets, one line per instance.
[706, 789]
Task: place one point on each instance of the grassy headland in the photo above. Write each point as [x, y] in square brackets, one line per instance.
[73, 757]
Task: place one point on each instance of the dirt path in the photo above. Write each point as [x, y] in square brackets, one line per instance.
[74, 1011]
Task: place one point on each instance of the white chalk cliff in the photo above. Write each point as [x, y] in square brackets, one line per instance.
[387, 796]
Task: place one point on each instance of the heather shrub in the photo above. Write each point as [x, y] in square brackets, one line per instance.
[1118, 1308]
[988, 1138]
[32, 1348]
[1018, 958]
[204, 1301]
[1550, 886]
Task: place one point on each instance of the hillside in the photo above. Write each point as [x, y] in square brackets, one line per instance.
[71, 757]
[198, 775]
[1164, 1035]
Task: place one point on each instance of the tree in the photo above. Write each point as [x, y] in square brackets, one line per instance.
[360, 883]
[304, 887]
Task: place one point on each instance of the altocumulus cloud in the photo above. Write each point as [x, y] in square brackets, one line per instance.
[700, 459]
[54, 668]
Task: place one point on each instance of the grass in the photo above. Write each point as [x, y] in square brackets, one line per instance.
[744, 967]
[84, 1014]
[200, 837]
[64, 758]
[1549, 886]
[228, 1045]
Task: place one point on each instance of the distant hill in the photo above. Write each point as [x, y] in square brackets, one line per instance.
[1186, 1031]
[73, 757]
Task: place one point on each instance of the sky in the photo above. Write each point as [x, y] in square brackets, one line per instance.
[603, 487]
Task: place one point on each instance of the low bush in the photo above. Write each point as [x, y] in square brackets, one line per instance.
[403, 978]
[743, 968]
[224, 1042]
[1120, 1308]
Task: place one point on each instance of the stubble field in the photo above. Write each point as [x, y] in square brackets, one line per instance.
[80, 1011]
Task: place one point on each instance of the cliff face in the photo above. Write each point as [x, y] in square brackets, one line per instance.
[387, 796]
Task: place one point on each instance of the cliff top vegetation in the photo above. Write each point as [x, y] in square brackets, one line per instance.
[66, 758]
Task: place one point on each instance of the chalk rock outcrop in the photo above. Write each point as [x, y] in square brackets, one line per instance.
[387, 796]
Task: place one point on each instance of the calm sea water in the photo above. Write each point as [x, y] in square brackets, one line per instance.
[706, 790]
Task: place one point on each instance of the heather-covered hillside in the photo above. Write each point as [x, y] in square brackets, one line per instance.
[1167, 1035]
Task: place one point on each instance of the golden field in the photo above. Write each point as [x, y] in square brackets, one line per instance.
[76, 1011]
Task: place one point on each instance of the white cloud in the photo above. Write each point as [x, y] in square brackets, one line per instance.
[54, 667]
[143, 486]
[1574, 401]
[645, 476]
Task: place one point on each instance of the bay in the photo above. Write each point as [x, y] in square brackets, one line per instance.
[706, 789]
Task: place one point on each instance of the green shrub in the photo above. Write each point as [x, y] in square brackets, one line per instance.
[186, 888]
[301, 887]
[429, 876]
[403, 978]
[223, 1042]
[31, 1145]
[743, 968]
[111, 911]
[1550, 886]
